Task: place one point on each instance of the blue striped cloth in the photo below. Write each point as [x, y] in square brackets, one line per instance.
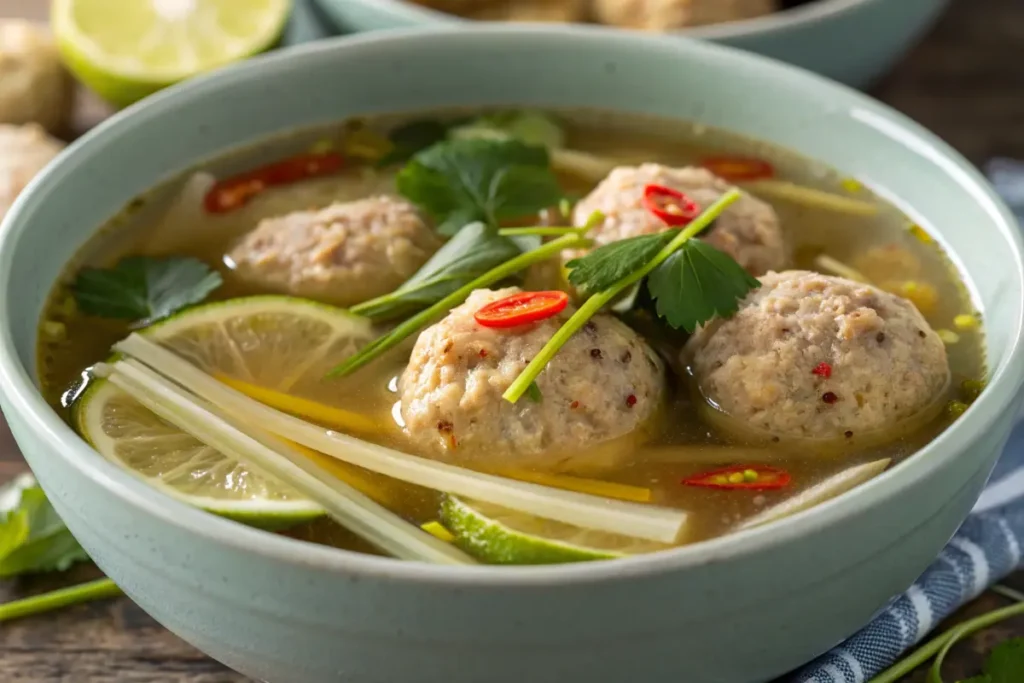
[985, 550]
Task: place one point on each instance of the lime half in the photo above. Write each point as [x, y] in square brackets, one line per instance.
[277, 343]
[127, 49]
[500, 536]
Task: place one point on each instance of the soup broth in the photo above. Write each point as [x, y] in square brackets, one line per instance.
[857, 235]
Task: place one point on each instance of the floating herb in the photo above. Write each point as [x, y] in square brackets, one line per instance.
[143, 288]
[411, 138]
[461, 181]
[473, 251]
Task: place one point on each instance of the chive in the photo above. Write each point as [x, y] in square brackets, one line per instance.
[38, 604]
[595, 303]
[573, 240]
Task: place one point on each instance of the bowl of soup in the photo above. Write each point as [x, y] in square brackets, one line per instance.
[874, 34]
[344, 370]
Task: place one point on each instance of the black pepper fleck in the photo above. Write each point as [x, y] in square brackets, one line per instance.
[921, 334]
[848, 434]
[880, 337]
[595, 354]
[626, 357]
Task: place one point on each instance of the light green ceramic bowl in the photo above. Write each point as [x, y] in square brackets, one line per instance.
[739, 609]
[852, 41]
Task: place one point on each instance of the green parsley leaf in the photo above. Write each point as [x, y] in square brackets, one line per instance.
[473, 251]
[32, 536]
[413, 137]
[461, 181]
[696, 283]
[606, 265]
[144, 288]
[533, 393]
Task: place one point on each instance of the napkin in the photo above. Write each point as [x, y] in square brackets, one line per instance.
[986, 549]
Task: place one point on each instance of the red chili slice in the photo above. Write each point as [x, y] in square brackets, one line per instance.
[750, 477]
[739, 169]
[522, 308]
[232, 193]
[670, 206]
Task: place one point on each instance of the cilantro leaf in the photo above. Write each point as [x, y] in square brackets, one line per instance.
[984, 678]
[413, 137]
[461, 181]
[32, 536]
[696, 283]
[144, 288]
[606, 265]
[473, 251]
[1006, 662]
[533, 393]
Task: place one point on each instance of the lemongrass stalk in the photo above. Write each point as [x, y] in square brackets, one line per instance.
[272, 456]
[799, 194]
[601, 299]
[605, 489]
[424, 317]
[835, 485]
[836, 267]
[648, 522]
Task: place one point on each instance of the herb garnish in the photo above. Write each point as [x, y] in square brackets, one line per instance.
[604, 268]
[32, 536]
[459, 182]
[34, 539]
[473, 251]
[143, 288]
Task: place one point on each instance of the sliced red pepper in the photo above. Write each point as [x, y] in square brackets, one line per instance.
[671, 207]
[521, 309]
[739, 169]
[750, 477]
[232, 193]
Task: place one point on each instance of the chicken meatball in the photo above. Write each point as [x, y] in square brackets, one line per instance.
[34, 86]
[24, 151]
[667, 15]
[344, 254]
[809, 355]
[605, 383]
[749, 230]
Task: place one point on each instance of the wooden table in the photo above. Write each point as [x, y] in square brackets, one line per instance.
[965, 82]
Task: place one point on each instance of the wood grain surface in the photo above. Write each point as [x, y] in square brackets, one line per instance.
[965, 82]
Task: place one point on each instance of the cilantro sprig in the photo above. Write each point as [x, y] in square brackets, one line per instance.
[463, 181]
[144, 288]
[617, 267]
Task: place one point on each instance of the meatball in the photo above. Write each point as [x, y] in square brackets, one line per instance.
[342, 254]
[24, 151]
[666, 15]
[749, 230]
[605, 383]
[809, 355]
[558, 11]
[34, 87]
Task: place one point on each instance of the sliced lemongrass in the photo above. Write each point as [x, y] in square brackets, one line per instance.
[439, 531]
[833, 266]
[832, 487]
[277, 459]
[304, 408]
[605, 489]
[799, 194]
[584, 165]
[629, 519]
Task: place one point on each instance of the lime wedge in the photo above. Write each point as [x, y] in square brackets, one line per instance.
[500, 536]
[277, 343]
[127, 49]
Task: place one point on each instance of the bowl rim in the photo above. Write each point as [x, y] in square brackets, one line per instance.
[58, 439]
[802, 15]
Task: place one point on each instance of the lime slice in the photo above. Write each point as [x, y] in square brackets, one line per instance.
[500, 536]
[125, 50]
[277, 343]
